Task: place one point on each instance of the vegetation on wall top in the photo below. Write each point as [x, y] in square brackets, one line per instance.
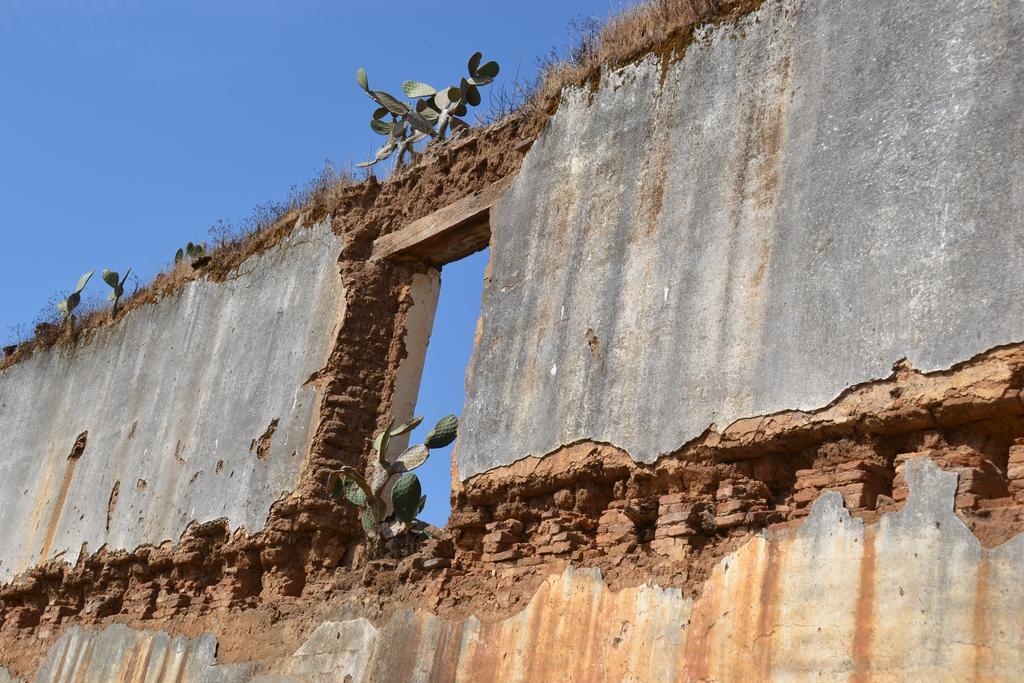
[429, 115]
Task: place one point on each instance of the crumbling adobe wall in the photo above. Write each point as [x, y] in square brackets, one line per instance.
[749, 236]
[199, 579]
[137, 432]
[912, 597]
[806, 197]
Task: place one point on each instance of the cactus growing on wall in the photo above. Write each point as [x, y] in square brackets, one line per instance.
[68, 305]
[406, 492]
[191, 252]
[116, 285]
[430, 114]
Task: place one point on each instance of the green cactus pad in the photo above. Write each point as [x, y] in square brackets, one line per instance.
[83, 281]
[416, 89]
[353, 493]
[394, 105]
[405, 497]
[488, 71]
[369, 522]
[361, 79]
[381, 127]
[406, 427]
[350, 475]
[412, 458]
[383, 439]
[421, 124]
[111, 277]
[443, 433]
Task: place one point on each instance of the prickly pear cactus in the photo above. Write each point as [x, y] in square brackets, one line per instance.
[411, 458]
[405, 497]
[369, 522]
[353, 493]
[116, 284]
[429, 115]
[443, 433]
[192, 252]
[67, 306]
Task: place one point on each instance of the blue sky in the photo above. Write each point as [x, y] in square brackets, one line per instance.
[129, 128]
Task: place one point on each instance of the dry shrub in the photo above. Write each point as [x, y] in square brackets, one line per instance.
[231, 244]
[662, 26]
[624, 37]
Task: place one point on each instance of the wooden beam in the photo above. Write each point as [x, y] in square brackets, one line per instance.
[450, 233]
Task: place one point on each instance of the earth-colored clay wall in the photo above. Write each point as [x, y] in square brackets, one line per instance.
[746, 230]
[193, 409]
[914, 597]
[806, 197]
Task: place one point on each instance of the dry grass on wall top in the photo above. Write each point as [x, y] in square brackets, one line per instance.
[231, 245]
[662, 27]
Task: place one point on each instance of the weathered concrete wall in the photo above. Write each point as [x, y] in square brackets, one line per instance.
[811, 194]
[174, 400]
[118, 653]
[913, 597]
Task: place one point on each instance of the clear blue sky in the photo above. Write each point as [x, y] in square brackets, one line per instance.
[128, 128]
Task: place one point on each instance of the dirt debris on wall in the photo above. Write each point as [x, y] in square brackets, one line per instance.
[587, 505]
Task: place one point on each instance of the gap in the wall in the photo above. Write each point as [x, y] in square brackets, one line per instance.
[443, 383]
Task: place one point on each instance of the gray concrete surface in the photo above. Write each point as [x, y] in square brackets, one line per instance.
[119, 653]
[815, 193]
[6, 677]
[173, 398]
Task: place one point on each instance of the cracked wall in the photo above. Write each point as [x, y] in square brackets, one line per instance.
[913, 596]
[203, 393]
[810, 193]
[806, 197]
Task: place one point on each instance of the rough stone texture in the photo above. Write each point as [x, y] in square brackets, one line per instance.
[814, 193]
[193, 409]
[913, 597]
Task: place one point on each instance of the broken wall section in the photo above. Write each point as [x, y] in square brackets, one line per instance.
[193, 409]
[807, 196]
[914, 595]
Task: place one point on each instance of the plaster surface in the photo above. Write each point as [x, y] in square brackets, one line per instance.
[810, 195]
[915, 597]
[174, 400]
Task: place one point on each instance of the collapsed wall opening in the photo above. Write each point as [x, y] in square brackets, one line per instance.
[442, 381]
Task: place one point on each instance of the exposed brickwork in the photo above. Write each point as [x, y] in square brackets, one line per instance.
[588, 504]
[1015, 471]
[308, 536]
[859, 481]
